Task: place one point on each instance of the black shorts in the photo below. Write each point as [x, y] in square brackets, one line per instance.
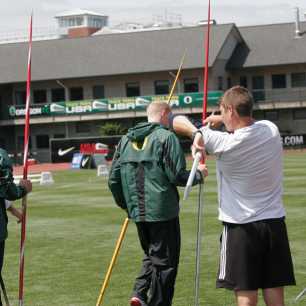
[255, 255]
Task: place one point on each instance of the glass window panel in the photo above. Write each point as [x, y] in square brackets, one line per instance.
[98, 92]
[243, 81]
[20, 97]
[191, 85]
[76, 93]
[299, 114]
[279, 81]
[57, 94]
[42, 141]
[298, 79]
[271, 115]
[161, 87]
[132, 89]
[40, 96]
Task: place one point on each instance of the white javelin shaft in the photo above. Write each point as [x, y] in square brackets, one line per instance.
[194, 168]
[300, 295]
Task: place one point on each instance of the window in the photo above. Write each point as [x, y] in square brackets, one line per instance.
[42, 141]
[298, 79]
[40, 96]
[76, 93]
[191, 85]
[20, 146]
[72, 22]
[258, 85]
[59, 136]
[258, 115]
[299, 114]
[20, 97]
[82, 128]
[97, 22]
[78, 21]
[229, 83]
[220, 83]
[161, 87]
[271, 115]
[57, 94]
[279, 81]
[243, 81]
[98, 92]
[258, 82]
[132, 89]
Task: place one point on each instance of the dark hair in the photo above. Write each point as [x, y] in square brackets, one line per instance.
[241, 98]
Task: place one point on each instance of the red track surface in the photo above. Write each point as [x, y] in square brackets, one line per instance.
[37, 168]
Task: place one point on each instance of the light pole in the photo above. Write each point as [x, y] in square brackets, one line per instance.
[66, 96]
[65, 88]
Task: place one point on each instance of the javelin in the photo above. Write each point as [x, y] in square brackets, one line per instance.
[25, 169]
[205, 95]
[200, 206]
[206, 65]
[176, 77]
[113, 261]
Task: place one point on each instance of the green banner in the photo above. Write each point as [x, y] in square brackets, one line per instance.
[114, 104]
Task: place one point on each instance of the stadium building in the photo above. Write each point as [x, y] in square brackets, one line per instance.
[90, 75]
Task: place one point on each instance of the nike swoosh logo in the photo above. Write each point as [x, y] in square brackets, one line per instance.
[62, 152]
[84, 161]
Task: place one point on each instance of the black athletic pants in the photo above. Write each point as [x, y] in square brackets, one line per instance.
[161, 242]
[2, 245]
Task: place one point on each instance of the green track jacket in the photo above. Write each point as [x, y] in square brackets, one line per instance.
[148, 165]
[8, 190]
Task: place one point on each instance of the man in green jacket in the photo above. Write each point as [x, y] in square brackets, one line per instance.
[148, 165]
[9, 191]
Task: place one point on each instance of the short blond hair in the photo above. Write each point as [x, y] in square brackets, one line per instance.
[155, 108]
[240, 98]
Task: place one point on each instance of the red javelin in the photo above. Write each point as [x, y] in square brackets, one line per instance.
[25, 170]
[206, 65]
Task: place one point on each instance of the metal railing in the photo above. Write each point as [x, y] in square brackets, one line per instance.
[280, 95]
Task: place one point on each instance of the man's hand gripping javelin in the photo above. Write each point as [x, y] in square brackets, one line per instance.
[198, 152]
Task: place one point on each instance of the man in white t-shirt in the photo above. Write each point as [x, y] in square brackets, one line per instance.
[254, 251]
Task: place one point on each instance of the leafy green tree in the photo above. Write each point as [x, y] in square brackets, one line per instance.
[112, 128]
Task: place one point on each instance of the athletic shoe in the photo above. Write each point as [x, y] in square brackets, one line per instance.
[135, 301]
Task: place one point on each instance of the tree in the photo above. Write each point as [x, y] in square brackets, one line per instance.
[112, 128]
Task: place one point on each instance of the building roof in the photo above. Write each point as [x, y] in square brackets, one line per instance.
[111, 54]
[270, 45]
[77, 12]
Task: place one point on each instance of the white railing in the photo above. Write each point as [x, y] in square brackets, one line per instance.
[40, 33]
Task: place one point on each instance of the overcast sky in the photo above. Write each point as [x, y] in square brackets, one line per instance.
[15, 13]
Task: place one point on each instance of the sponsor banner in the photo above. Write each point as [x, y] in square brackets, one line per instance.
[63, 149]
[76, 161]
[114, 104]
[293, 140]
[18, 111]
[94, 148]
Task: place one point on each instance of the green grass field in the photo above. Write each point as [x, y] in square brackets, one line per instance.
[73, 226]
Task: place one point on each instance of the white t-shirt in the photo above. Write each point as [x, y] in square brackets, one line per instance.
[249, 172]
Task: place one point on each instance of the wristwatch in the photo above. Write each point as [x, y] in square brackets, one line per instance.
[194, 134]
